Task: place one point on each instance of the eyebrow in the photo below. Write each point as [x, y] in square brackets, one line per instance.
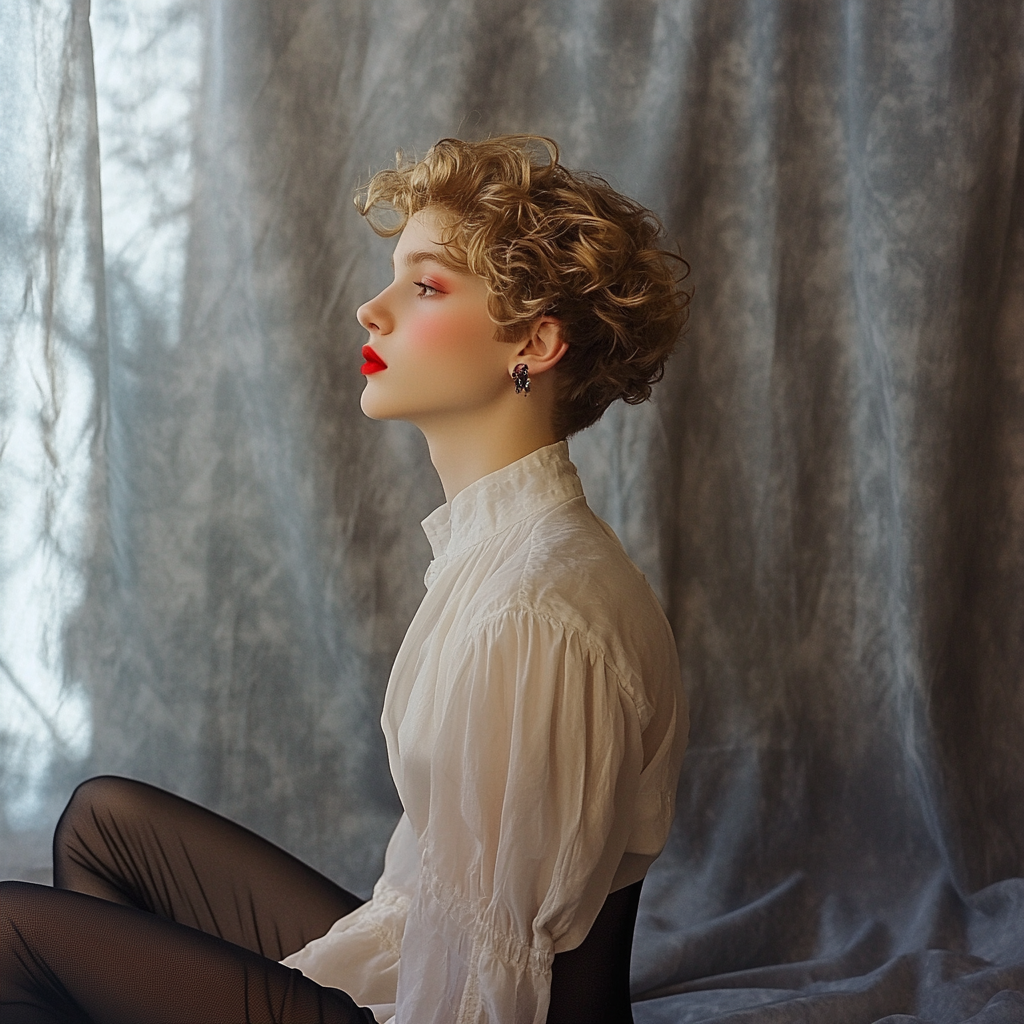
[415, 258]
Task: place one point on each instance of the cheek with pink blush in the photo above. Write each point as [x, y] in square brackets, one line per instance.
[448, 333]
[435, 333]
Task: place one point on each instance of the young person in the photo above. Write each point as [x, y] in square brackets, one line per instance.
[535, 718]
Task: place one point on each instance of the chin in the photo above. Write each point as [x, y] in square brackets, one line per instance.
[375, 407]
[371, 408]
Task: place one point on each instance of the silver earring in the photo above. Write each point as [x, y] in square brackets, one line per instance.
[521, 375]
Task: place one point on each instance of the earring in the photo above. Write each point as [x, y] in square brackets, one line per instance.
[521, 375]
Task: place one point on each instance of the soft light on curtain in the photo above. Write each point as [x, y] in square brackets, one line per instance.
[208, 557]
[51, 398]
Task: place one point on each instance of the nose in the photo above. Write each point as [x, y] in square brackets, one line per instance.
[374, 316]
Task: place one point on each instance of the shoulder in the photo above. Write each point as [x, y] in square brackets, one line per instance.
[572, 572]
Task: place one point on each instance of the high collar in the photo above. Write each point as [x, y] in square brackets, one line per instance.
[541, 480]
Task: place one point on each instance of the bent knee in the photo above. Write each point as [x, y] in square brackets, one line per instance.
[12, 890]
[16, 899]
[103, 793]
[95, 803]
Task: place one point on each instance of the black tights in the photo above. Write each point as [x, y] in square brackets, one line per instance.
[163, 912]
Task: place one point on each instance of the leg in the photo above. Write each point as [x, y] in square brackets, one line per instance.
[134, 844]
[67, 958]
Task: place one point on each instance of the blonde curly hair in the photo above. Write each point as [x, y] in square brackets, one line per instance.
[551, 242]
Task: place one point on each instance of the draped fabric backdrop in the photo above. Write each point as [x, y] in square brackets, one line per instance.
[208, 556]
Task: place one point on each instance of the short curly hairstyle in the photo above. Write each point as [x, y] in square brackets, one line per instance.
[549, 242]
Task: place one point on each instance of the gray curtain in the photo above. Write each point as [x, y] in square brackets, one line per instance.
[208, 556]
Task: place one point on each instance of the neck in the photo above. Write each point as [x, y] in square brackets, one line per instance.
[464, 452]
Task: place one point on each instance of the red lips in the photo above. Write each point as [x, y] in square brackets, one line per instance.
[373, 361]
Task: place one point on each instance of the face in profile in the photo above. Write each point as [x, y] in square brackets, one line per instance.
[432, 356]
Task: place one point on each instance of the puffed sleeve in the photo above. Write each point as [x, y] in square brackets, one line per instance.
[532, 777]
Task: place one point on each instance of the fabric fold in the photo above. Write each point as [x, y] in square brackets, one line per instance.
[535, 723]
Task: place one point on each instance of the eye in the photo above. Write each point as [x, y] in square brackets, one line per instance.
[425, 289]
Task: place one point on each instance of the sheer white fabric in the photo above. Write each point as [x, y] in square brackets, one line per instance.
[535, 722]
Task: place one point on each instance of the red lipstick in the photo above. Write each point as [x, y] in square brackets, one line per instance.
[373, 361]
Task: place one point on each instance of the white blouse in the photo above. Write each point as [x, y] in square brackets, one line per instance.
[535, 723]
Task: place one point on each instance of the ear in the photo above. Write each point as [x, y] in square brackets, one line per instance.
[542, 347]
